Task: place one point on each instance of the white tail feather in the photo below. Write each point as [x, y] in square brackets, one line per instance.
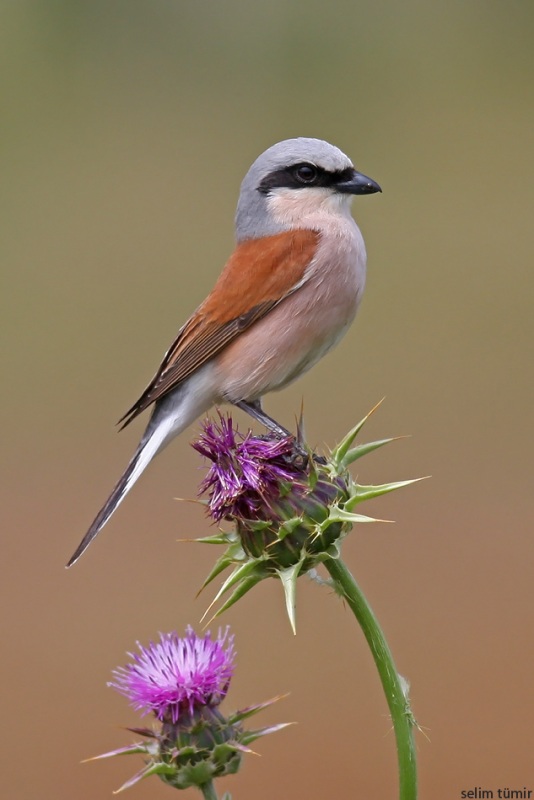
[172, 414]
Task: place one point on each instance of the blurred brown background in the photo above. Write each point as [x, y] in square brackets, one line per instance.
[127, 128]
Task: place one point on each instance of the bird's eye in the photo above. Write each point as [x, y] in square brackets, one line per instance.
[306, 173]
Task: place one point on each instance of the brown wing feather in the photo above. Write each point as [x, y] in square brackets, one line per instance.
[254, 280]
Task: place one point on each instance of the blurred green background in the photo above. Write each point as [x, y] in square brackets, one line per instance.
[127, 128]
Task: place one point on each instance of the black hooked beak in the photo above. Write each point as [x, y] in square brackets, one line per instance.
[358, 184]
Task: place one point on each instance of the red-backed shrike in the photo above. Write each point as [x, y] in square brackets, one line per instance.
[286, 296]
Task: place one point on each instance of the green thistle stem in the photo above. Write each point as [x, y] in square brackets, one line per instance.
[208, 790]
[396, 694]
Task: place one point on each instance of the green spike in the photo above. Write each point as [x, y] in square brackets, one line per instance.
[220, 565]
[301, 434]
[367, 492]
[241, 572]
[232, 555]
[122, 751]
[289, 582]
[313, 474]
[288, 527]
[246, 586]
[250, 736]
[219, 538]
[339, 452]
[150, 769]
[342, 515]
[363, 449]
[244, 713]
[237, 747]
[257, 524]
[221, 751]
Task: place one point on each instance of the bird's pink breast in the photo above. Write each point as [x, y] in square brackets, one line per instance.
[303, 327]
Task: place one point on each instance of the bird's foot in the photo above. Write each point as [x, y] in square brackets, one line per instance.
[300, 455]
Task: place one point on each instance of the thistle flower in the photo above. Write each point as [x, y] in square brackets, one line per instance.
[265, 486]
[247, 474]
[289, 513]
[182, 681]
[175, 677]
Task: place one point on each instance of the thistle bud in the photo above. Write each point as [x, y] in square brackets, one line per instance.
[279, 501]
[289, 513]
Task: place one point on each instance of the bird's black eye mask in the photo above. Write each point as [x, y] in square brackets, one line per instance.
[300, 176]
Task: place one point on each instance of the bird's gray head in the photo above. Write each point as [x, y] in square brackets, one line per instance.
[293, 184]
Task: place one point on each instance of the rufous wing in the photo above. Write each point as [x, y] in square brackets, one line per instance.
[259, 275]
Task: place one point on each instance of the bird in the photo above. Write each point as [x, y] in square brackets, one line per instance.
[286, 296]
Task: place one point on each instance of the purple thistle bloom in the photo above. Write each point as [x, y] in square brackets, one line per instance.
[177, 675]
[183, 680]
[247, 474]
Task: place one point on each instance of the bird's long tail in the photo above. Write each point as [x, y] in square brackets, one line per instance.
[171, 415]
[152, 442]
